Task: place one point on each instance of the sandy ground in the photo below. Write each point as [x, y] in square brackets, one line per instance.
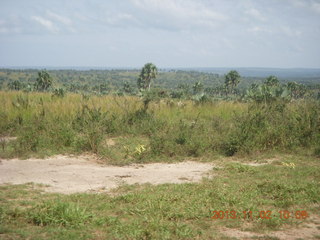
[65, 174]
[307, 231]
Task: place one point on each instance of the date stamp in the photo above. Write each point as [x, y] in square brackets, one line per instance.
[265, 214]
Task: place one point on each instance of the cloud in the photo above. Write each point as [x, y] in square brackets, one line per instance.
[180, 13]
[298, 3]
[120, 19]
[3, 28]
[64, 21]
[255, 14]
[61, 19]
[315, 6]
[46, 23]
[256, 29]
[311, 5]
[290, 32]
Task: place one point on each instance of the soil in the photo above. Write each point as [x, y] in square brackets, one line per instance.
[69, 174]
[307, 231]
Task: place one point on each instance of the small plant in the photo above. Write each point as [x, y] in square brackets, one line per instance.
[58, 213]
[58, 92]
[140, 149]
[289, 165]
[240, 168]
[21, 102]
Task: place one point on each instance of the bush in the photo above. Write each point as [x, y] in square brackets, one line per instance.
[274, 126]
[58, 213]
[92, 125]
[183, 139]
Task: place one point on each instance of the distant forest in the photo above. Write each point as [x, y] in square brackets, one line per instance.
[98, 81]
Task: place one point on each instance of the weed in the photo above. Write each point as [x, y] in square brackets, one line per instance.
[59, 213]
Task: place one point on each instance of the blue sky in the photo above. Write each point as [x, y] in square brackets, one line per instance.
[169, 33]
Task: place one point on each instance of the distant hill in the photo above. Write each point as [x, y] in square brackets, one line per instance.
[265, 72]
[284, 73]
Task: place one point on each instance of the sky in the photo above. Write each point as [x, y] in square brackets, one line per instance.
[168, 33]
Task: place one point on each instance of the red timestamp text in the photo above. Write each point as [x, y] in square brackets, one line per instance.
[265, 214]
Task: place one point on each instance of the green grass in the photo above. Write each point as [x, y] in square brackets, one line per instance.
[74, 124]
[166, 131]
[168, 211]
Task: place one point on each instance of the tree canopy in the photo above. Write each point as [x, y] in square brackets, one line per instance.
[43, 81]
[232, 79]
[147, 74]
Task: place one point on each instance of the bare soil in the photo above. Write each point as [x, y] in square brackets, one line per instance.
[307, 231]
[70, 174]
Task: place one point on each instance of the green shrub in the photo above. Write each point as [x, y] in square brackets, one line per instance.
[92, 125]
[58, 213]
[274, 126]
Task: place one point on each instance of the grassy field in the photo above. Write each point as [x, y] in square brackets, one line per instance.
[286, 135]
[163, 128]
[171, 211]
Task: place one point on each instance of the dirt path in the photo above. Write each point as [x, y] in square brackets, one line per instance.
[65, 174]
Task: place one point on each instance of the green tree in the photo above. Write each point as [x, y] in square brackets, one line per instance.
[197, 87]
[43, 81]
[232, 79]
[271, 81]
[296, 90]
[15, 85]
[147, 74]
[127, 88]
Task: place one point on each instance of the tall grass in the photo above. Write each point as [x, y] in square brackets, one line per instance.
[76, 123]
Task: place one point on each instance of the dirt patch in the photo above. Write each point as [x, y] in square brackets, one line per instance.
[308, 230]
[7, 139]
[257, 164]
[110, 142]
[65, 174]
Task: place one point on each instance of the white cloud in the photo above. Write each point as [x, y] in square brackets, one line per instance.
[311, 5]
[255, 29]
[46, 23]
[290, 32]
[255, 14]
[183, 13]
[3, 30]
[298, 3]
[62, 19]
[120, 17]
[66, 22]
[316, 6]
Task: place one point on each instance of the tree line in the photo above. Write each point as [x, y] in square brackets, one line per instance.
[224, 87]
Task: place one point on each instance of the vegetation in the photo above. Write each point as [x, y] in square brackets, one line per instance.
[44, 81]
[148, 73]
[175, 83]
[203, 118]
[232, 79]
[171, 211]
[170, 129]
[186, 123]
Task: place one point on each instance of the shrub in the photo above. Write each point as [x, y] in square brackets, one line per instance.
[58, 213]
[273, 126]
[92, 125]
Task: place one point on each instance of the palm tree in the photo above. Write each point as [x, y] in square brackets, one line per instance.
[44, 81]
[148, 72]
[232, 79]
